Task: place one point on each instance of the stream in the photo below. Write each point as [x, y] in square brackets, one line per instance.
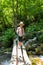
[5, 60]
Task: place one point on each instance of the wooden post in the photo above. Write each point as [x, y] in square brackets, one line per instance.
[16, 53]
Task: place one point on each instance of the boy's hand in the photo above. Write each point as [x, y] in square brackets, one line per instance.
[23, 37]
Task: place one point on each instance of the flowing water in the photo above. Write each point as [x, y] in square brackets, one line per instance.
[7, 60]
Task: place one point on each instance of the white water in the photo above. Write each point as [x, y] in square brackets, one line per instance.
[6, 62]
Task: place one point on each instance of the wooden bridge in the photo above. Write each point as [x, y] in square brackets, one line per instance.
[17, 58]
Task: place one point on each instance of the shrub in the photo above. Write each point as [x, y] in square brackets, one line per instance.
[8, 37]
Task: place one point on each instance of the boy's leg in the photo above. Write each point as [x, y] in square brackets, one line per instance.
[20, 43]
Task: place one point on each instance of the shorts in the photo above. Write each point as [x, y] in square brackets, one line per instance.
[20, 38]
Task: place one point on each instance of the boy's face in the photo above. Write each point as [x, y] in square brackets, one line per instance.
[21, 25]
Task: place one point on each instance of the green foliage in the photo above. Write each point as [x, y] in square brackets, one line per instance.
[29, 11]
[8, 37]
[33, 29]
[8, 34]
[40, 38]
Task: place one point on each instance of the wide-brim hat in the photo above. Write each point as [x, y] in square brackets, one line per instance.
[21, 23]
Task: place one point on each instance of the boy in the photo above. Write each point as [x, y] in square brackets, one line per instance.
[20, 33]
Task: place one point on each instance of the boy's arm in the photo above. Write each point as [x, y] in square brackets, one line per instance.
[23, 31]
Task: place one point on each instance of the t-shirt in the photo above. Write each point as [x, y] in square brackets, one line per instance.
[20, 31]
